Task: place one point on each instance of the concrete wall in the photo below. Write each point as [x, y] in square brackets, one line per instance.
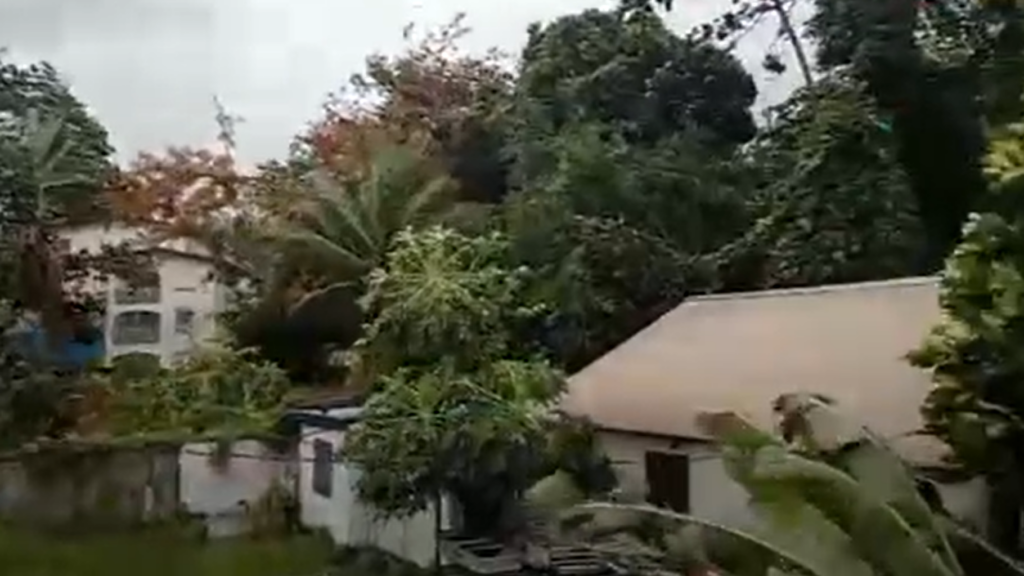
[223, 491]
[126, 487]
[90, 488]
[715, 496]
[352, 522]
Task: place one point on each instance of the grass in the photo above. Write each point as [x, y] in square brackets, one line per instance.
[159, 552]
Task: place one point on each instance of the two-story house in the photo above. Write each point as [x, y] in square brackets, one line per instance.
[166, 317]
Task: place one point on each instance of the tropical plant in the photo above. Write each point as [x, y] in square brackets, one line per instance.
[218, 390]
[974, 353]
[455, 407]
[33, 97]
[829, 499]
[343, 230]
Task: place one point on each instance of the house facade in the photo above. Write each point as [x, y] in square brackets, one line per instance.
[166, 318]
[326, 490]
[739, 353]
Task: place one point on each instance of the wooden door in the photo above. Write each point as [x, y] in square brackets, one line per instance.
[668, 480]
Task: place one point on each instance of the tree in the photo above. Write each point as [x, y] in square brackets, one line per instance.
[445, 105]
[343, 231]
[53, 159]
[977, 403]
[625, 159]
[626, 69]
[834, 204]
[454, 408]
[38, 89]
[930, 98]
[613, 234]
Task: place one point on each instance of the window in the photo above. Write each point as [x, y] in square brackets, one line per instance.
[138, 291]
[323, 468]
[184, 319]
[136, 327]
[668, 480]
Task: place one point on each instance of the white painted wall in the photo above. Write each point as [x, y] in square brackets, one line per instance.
[224, 494]
[715, 496]
[351, 522]
[315, 511]
[184, 283]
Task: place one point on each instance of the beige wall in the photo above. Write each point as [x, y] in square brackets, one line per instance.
[715, 496]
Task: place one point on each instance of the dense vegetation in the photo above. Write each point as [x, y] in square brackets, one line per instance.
[452, 236]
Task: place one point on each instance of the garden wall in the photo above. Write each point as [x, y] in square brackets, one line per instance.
[89, 486]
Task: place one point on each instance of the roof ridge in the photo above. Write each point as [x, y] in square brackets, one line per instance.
[809, 290]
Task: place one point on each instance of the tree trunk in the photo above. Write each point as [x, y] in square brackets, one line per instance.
[786, 23]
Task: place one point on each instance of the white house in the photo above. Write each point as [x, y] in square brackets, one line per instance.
[738, 353]
[326, 489]
[169, 317]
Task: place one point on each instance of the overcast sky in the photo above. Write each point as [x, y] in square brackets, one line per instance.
[149, 69]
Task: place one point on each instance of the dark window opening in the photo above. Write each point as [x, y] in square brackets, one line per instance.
[668, 480]
[323, 468]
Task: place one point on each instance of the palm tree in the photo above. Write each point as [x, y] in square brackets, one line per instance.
[322, 248]
[343, 230]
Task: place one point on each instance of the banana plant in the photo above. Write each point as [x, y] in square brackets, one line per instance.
[45, 146]
[840, 503]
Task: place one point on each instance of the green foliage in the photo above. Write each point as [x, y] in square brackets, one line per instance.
[342, 231]
[83, 161]
[974, 353]
[835, 204]
[446, 431]
[334, 233]
[454, 408]
[216, 391]
[626, 69]
[444, 297]
[677, 189]
[602, 279]
[34, 398]
[931, 94]
[163, 551]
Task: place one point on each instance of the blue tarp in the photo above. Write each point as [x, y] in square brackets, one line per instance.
[73, 353]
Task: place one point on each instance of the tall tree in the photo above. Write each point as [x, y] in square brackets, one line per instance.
[86, 153]
[932, 103]
[455, 410]
[834, 204]
[447, 105]
[625, 68]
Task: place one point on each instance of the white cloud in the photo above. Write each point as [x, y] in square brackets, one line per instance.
[150, 68]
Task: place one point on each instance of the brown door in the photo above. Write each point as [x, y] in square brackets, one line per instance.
[668, 480]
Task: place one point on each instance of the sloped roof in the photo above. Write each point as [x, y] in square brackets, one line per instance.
[740, 352]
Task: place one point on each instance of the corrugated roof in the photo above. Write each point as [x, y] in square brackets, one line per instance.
[740, 352]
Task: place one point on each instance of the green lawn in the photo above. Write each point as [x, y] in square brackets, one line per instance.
[159, 553]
